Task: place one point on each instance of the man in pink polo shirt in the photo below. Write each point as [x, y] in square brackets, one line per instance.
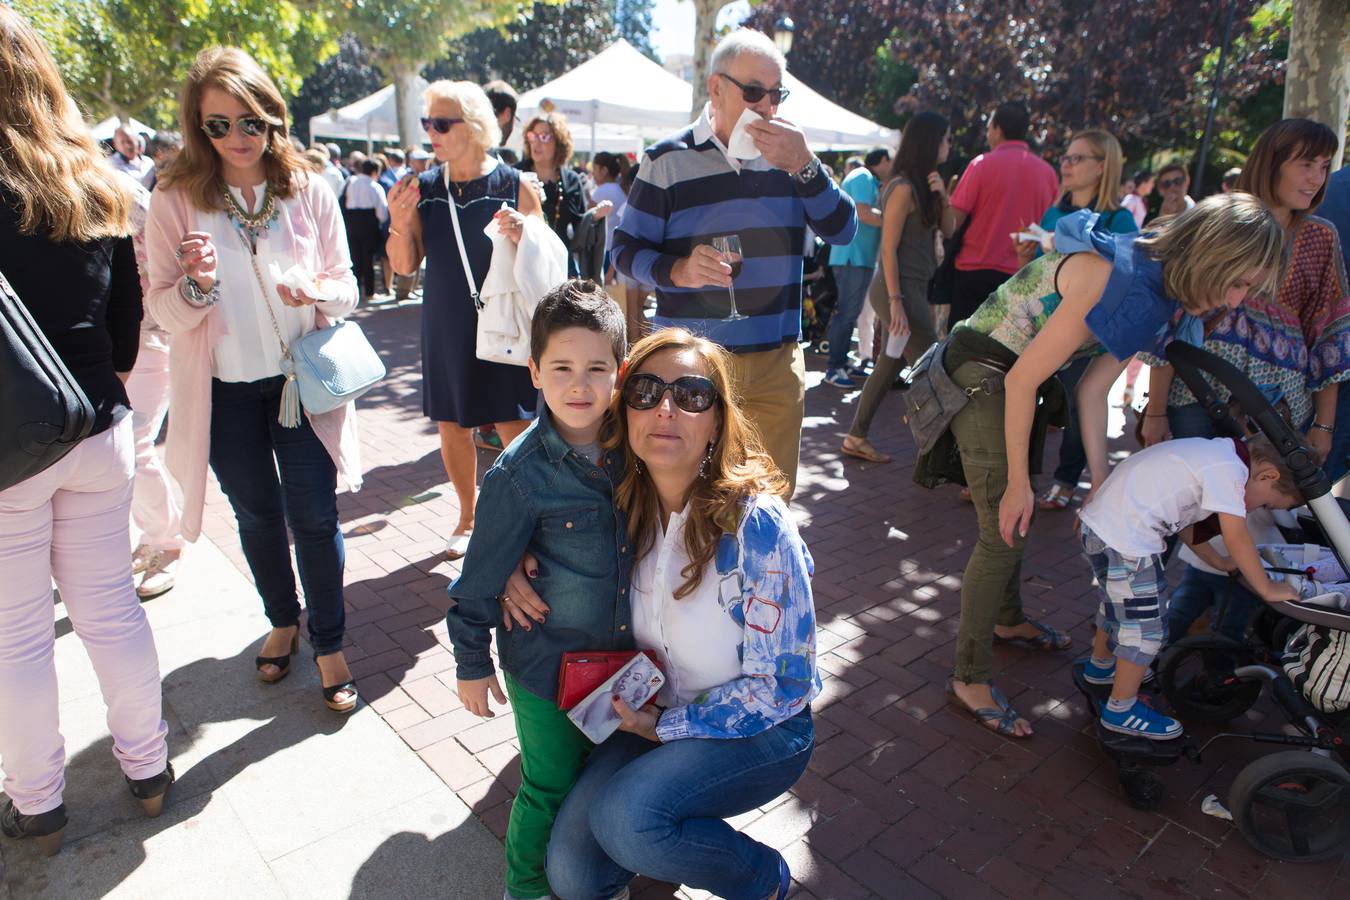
[1001, 192]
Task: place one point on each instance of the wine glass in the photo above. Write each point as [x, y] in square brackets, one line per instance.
[729, 245]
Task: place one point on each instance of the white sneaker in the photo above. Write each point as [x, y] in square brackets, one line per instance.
[160, 576]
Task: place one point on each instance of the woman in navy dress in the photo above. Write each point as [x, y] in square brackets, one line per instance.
[459, 391]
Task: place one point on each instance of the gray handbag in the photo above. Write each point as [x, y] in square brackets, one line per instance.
[933, 399]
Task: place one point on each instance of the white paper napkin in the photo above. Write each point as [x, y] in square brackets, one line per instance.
[741, 145]
[298, 278]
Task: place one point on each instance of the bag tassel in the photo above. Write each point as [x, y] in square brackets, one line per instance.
[289, 416]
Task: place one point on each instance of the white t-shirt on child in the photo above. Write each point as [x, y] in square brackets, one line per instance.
[1165, 488]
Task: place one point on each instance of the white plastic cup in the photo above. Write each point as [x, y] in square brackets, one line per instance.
[895, 344]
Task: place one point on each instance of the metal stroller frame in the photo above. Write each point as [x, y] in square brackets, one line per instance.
[1295, 804]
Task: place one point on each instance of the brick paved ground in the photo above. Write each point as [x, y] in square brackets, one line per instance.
[905, 796]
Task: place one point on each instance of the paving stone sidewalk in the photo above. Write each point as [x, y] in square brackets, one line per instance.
[277, 797]
[905, 796]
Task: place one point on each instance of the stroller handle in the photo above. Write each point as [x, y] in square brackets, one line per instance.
[1191, 363]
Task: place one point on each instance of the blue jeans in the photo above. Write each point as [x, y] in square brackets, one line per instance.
[1072, 456]
[659, 810]
[851, 283]
[248, 449]
[1198, 591]
[1190, 421]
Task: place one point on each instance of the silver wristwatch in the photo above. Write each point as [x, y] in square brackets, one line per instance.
[195, 296]
[808, 171]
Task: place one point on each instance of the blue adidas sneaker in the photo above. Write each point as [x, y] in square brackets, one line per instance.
[1142, 721]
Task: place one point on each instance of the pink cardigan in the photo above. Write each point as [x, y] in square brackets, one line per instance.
[313, 223]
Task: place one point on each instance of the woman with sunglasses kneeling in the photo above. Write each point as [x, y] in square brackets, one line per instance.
[236, 210]
[439, 216]
[1100, 295]
[721, 591]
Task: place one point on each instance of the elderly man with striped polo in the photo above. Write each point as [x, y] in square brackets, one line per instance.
[764, 186]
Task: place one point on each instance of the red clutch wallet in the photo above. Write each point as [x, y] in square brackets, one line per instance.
[581, 673]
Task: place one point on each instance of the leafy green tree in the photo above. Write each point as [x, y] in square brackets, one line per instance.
[342, 78]
[128, 57]
[405, 35]
[542, 43]
[633, 21]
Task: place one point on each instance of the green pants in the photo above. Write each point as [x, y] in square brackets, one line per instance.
[552, 753]
[990, 588]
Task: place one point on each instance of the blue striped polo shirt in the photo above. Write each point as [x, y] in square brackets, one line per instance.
[689, 191]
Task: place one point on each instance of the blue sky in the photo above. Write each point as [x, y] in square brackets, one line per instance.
[673, 24]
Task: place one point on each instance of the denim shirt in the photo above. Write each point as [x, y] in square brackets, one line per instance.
[544, 497]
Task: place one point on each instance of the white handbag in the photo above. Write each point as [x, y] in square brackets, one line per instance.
[517, 279]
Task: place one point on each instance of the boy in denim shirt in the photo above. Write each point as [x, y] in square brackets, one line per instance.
[549, 494]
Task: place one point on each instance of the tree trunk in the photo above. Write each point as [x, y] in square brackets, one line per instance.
[705, 38]
[408, 103]
[1317, 81]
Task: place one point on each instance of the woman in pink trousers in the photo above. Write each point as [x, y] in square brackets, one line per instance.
[66, 251]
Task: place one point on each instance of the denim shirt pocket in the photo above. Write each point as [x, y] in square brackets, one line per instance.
[579, 524]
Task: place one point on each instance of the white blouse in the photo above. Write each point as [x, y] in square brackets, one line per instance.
[249, 350]
[696, 641]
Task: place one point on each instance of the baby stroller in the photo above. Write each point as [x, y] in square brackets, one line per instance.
[819, 297]
[1293, 804]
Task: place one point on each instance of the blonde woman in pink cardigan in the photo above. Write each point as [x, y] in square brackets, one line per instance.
[236, 206]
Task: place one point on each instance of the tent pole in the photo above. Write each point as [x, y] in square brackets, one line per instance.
[595, 111]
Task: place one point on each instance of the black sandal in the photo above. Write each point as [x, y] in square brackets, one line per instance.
[47, 829]
[152, 791]
[330, 693]
[283, 663]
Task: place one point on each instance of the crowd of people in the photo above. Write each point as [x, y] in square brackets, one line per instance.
[641, 501]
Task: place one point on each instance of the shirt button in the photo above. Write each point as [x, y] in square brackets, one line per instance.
[569, 524]
[623, 627]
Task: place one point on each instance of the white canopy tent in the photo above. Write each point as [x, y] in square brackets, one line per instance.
[372, 119]
[104, 130]
[617, 100]
[828, 125]
[613, 101]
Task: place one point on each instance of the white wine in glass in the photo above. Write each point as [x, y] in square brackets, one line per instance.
[729, 245]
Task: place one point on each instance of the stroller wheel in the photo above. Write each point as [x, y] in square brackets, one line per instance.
[1196, 676]
[1143, 789]
[1293, 805]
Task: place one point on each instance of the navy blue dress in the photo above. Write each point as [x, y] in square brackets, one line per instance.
[456, 385]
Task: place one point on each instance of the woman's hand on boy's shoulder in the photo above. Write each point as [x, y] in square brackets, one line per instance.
[521, 605]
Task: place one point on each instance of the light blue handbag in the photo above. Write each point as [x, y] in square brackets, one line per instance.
[334, 365]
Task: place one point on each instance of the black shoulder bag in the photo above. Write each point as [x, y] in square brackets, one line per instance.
[43, 412]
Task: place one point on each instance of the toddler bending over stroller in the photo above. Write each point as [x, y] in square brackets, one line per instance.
[1175, 488]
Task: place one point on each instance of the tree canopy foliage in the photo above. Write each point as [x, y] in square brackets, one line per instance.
[1140, 70]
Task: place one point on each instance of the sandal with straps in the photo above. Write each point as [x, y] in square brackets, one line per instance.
[1000, 718]
[282, 663]
[152, 791]
[1047, 638]
[330, 693]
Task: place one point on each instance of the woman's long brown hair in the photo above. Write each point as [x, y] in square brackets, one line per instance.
[739, 469]
[51, 169]
[197, 168]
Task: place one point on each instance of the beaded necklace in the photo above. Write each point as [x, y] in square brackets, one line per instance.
[251, 225]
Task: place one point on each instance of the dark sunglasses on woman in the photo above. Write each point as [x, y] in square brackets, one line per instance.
[1172, 182]
[691, 393]
[753, 93]
[439, 124]
[218, 127]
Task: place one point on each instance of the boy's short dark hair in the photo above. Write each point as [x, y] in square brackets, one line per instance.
[578, 303]
[1260, 449]
[370, 167]
[501, 95]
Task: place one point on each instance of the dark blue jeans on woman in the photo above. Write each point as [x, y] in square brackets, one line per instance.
[249, 447]
[660, 810]
[1072, 456]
